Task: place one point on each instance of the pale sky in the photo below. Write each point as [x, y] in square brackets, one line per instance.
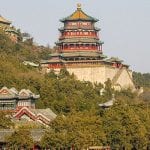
[125, 24]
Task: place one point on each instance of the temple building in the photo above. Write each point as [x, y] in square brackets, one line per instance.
[80, 51]
[79, 35]
[8, 29]
[22, 106]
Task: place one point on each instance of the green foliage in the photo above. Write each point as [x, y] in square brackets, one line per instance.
[146, 95]
[142, 80]
[77, 129]
[63, 73]
[5, 121]
[108, 89]
[124, 127]
[80, 122]
[51, 75]
[126, 93]
[20, 139]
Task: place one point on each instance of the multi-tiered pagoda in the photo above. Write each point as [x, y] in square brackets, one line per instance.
[79, 50]
[79, 36]
[78, 42]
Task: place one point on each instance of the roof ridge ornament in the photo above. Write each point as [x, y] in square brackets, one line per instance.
[78, 5]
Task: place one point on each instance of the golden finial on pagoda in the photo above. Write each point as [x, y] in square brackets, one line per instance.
[78, 6]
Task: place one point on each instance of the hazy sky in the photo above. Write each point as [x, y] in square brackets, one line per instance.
[125, 24]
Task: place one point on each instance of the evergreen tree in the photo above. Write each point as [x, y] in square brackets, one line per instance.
[20, 139]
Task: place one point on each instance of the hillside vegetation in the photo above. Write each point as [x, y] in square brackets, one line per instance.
[142, 80]
[80, 121]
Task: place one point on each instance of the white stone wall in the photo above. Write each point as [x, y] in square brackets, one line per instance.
[100, 74]
[110, 72]
[125, 79]
[93, 74]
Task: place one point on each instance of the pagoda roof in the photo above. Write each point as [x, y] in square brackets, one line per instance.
[82, 54]
[3, 20]
[79, 40]
[79, 54]
[92, 55]
[79, 15]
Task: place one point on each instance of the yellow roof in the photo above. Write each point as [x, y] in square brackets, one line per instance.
[79, 15]
[2, 19]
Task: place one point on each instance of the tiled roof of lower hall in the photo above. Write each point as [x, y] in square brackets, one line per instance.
[12, 93]
[48, 113]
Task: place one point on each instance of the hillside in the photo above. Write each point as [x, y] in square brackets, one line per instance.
[142, 80]
[80, 122]
[61, 92]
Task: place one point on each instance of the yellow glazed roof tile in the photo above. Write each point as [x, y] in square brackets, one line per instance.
[79, 15]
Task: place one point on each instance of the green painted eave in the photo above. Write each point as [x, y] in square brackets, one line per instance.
[80, 40]
[81, 54]
[76, 28]
[78, 54]
[79, 19]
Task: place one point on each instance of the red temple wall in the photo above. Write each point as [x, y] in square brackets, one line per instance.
[68, 34]
[55, 65]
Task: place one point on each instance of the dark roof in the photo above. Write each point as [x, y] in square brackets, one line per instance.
[12, 93]
[48, 113]
[79, 15]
